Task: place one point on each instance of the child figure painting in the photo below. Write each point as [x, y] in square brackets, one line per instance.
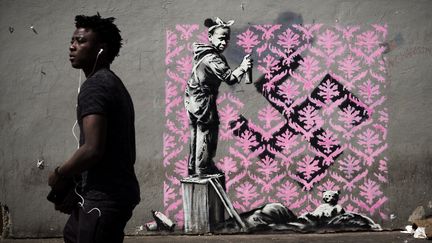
[210, 69]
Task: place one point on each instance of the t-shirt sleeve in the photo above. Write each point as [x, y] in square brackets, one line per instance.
[93, 99]
[219, 67]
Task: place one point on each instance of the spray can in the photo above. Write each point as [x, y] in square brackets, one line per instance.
[248, 78]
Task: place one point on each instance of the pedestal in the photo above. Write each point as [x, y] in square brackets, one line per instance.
[202, 206]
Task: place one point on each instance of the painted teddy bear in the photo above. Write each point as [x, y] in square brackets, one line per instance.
[324, 212]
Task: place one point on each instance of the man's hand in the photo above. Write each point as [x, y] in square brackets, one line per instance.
[69, 203]
[57, 182]
[62, 192]
[52, 179]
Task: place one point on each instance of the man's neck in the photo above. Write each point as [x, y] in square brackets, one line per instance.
[90, 71]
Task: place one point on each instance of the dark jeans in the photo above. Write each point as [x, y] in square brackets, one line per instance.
[203, 145]
[86, 225]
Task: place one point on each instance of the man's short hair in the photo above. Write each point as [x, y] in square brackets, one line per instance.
[107, 32]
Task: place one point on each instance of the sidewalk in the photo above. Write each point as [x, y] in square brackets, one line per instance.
[352, 237]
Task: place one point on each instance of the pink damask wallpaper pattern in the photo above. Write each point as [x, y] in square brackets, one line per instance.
[324, 126]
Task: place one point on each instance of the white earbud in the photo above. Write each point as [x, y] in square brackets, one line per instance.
[100, 51]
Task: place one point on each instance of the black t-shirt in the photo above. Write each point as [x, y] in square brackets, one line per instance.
[113, 178]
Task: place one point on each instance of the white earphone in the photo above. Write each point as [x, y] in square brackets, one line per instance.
[81, 204]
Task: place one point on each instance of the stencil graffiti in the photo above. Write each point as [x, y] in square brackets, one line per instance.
[327, 216]
[324, 126]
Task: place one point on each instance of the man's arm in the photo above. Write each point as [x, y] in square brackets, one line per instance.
[90, 153]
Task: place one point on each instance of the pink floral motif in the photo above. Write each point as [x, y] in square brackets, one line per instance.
[184, 65]
[348, 183]
[328, 141]
[267, 30]
[370, 190]
[348, 31]
[349, 116]
[349, 66]
[329, 47]
[228, 165]
[308, 30]
[307, 166]
[246, 141]
[168, 143]
[368, 91]
[268, 115]
[328, 90]
[288, 40]
[246, 192]
[171, 54]
[247, 40]
[288, 90]
[246, 159]
[270, 65]
[369, 139]
[168, 194]
[181, 167]
[267, 166]
[328, 185]
[186, 30]
[368, 40]
[309, 116]
[227, 114]
[308, 73]
[287, 192]
[329, 40]
[267, 184]
[381, 28]
[171, 40]
[349, 165]
[287, 140]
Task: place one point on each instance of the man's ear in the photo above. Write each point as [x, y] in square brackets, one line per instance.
[103, 47]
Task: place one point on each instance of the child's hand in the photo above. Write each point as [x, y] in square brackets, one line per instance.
[247, 62]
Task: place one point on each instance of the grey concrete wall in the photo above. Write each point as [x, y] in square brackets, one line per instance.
[38, 92]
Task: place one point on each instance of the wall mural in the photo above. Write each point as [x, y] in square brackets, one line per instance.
[322, 129]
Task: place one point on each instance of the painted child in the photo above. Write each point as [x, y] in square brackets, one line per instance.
[210, 69]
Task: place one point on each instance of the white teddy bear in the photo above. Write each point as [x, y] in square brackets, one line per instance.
[330, 208]
[325, 211]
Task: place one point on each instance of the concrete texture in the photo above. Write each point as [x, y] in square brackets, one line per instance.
[38, 94]
[383, 237]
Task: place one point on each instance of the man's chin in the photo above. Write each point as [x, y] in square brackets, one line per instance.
[75, 65]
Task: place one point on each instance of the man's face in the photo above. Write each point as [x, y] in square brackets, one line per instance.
[220, 38]
[83, 49]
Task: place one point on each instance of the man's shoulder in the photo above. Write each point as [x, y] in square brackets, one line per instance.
[103, 78]
[105, 75]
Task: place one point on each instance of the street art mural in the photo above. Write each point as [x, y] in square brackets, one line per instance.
[323, 125]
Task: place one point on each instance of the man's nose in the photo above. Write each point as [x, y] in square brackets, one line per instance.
[72, 46]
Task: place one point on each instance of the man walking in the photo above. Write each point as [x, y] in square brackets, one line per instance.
[103, 165]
